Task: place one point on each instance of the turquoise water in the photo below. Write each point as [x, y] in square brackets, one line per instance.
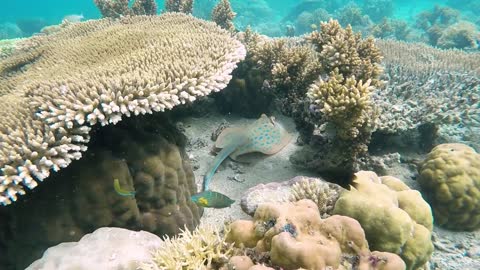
[31, 15]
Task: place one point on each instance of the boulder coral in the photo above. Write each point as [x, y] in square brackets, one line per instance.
[296, 237]
[81, 198]
[99, 71]
[395, 218]
[450, 179]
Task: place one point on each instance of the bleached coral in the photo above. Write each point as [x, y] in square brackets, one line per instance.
[197, 250]
[98, 72]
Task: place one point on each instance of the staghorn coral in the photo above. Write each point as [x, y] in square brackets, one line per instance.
[450, 179]
[424, 85]
[344, 102]
[183, 6]
[223, 15]
[97, 72]
[395, 218]
[323, 194]
[192, 250]
[118, 8]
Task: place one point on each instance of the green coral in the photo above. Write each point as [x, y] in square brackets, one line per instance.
[394, 221]
[450, 180]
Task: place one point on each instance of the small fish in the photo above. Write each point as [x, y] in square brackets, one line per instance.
[212, 199]
[74, 18]
[120, 191]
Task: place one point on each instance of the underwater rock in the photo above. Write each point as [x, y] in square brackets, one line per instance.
[107, 248]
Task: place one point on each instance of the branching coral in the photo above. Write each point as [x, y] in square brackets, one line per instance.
[344, 102]
[97, 72]
[197, 250]
[223, 15]
[425, 85]
[462, 35]
[117, 8]
[184, 6]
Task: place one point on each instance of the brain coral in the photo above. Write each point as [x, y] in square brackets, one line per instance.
[395, 218]
[450, 179]
[97, 72]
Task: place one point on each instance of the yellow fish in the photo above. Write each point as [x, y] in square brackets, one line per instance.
[120, 191]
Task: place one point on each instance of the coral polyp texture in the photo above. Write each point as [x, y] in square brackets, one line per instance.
[295, 236]
[184, 6]
[450, 179]
[395, 218]
[97, 72]
[223, 15]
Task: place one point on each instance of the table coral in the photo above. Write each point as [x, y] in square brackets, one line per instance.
[97, 72]
[450, 179]
[296, 237]
[395, 218]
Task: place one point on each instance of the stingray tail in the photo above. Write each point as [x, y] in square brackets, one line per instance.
[221, 156]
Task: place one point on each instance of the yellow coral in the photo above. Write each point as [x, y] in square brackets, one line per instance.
[394, 221]
[450, 179]
[343, 101]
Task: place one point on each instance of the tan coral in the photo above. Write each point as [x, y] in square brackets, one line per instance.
[394, 221]
[98, 72]
[118, 8]
[183, 6]
[223, 15]
[296, 237]
[345, 102]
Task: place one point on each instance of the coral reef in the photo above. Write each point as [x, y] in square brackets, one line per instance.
[395, 218]
[184, 6]
[450, 180]
[391, 28]
[118, 8]
[424, 85]
[296, 237]
[318, 190]
[344, 102]
[324, 194]
[223, 15]
[103, 70]
[105, 248]
[461, 35]
[146, 154]
[352, 15]
[378, 9]
[201, 249]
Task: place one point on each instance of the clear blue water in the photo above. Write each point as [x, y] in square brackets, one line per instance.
[250, 12]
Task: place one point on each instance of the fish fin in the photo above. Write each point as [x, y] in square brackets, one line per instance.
[228, 135]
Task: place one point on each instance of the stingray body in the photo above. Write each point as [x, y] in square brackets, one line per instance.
[264, 136]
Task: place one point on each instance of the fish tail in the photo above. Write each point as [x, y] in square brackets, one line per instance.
[221, 156]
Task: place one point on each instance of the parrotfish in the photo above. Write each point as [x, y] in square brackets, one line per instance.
[265, 135]
[213, 199]
[120, 191]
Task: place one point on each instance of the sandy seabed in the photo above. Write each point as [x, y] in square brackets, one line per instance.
[453, 250]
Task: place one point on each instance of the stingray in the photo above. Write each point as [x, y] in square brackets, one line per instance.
[265, 135]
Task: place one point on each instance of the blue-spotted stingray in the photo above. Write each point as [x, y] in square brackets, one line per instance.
[264, 135]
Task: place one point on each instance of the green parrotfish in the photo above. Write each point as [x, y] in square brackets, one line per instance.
[265, 135]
